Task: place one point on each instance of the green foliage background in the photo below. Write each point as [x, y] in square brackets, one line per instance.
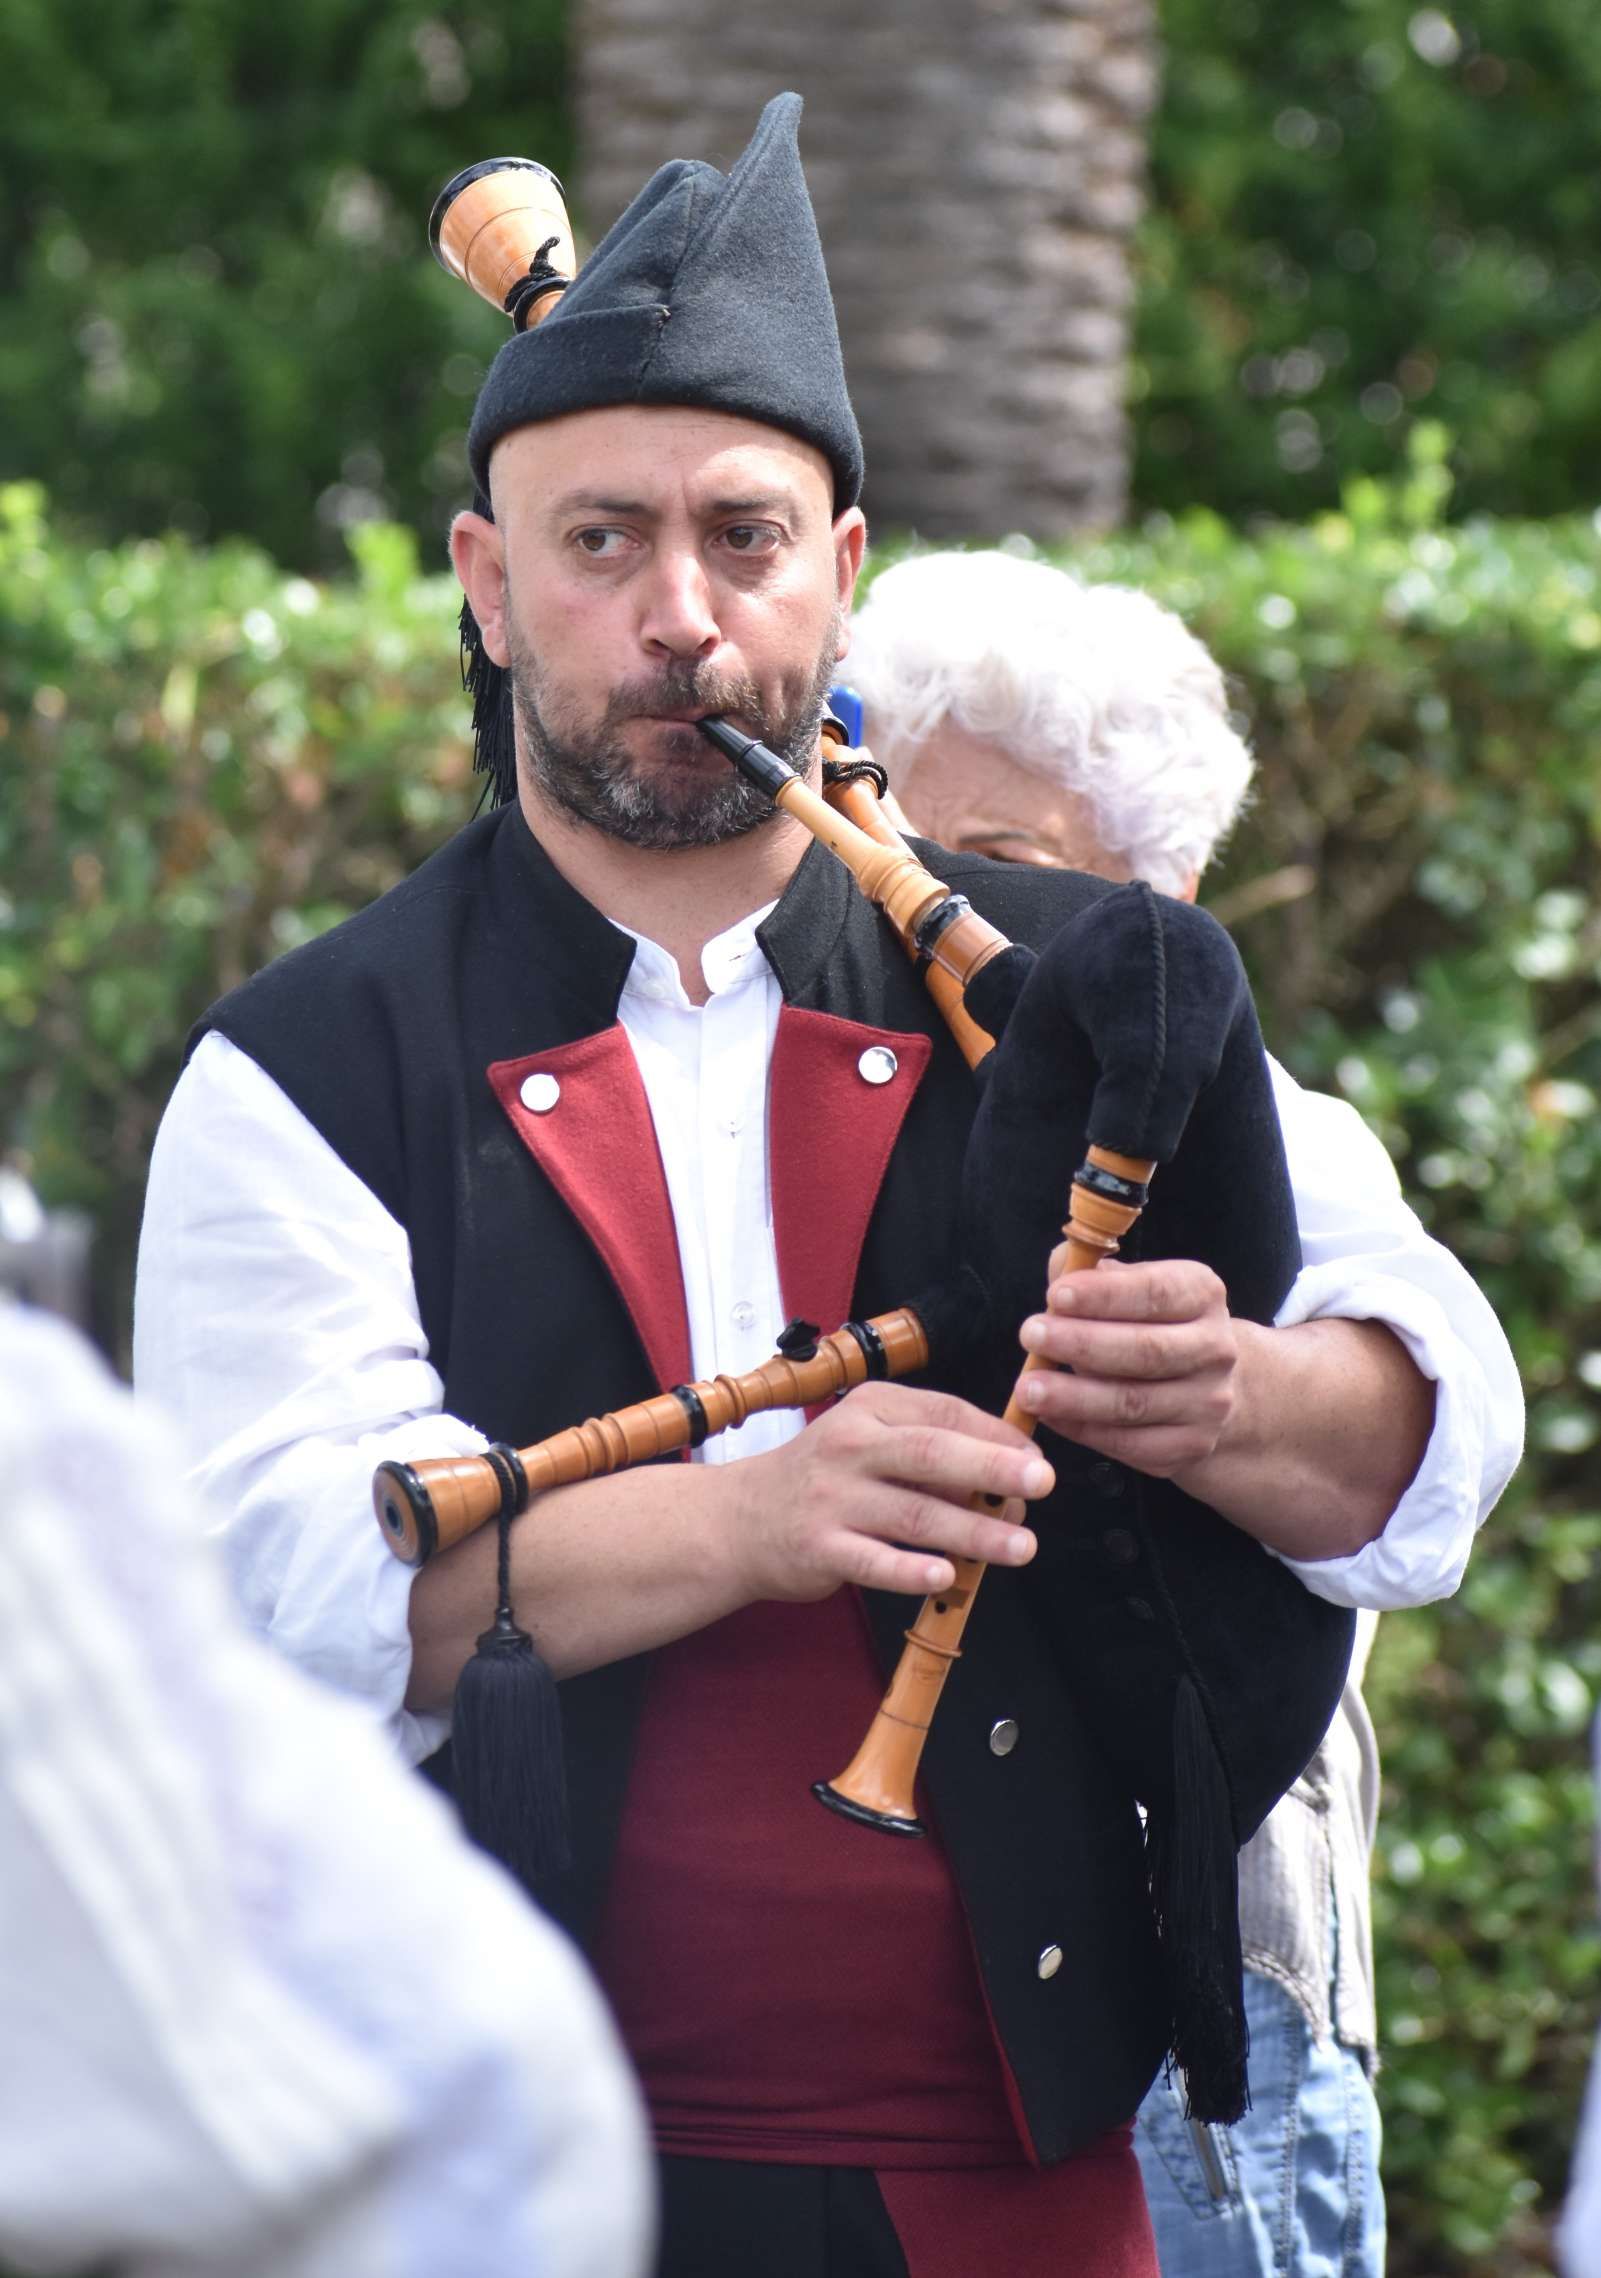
[1362, 212]
[218, 757]
[1365, 212]
[219, 316]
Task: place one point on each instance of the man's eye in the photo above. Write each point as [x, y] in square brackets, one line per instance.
[750, 537]
[602, 545]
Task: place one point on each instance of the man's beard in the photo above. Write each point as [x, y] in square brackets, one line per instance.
[589, 773]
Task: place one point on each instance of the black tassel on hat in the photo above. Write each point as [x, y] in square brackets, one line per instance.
[489, 686]
[507, 1765]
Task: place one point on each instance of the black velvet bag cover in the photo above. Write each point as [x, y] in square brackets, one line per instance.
[710, 290]
[1135, 1030]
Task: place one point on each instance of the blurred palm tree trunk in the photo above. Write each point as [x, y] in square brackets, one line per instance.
[977, 172]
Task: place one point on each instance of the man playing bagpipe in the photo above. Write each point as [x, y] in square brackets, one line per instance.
[618, 1083]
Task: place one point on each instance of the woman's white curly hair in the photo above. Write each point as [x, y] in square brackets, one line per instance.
[1096, 687]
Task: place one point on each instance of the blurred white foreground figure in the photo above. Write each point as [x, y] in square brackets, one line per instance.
[262, 2011]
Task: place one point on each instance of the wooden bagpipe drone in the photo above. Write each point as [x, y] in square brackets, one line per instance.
[1119, 1068]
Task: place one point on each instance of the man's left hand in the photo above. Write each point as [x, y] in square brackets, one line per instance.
[1155, 1361]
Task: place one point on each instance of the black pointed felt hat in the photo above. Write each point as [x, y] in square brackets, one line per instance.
[708, 290]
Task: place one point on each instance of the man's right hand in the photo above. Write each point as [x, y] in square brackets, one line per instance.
[876, 1490]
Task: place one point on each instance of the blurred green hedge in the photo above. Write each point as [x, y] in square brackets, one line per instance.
[209, 759]
[1364, 213]
[219, 311]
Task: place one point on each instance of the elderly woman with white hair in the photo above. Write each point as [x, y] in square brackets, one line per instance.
[1024, 715]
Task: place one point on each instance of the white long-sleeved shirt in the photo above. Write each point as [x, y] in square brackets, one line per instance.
[276, 1317]
[263, 2011]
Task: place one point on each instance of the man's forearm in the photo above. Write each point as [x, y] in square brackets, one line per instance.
[598, 1572]
[1331, 1421]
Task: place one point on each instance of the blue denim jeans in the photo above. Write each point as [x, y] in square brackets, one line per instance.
[1290, 2191]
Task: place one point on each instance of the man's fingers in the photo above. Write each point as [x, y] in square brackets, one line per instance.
[910, 1540]
[1070, 1403]
[922, 1519]
[1142, 1349]
[1160, 1451]
[1167, 1289]
[911, 1405]
[885, 1490]
[874, 1565]
[955, 1466]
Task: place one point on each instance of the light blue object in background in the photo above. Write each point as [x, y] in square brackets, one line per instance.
[846, 707]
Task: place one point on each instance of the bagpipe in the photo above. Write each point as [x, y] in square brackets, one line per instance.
[1119, 1072]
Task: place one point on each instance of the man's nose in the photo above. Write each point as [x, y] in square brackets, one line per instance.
[679, 618]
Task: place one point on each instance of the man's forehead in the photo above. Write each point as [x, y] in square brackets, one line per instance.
[651, 456]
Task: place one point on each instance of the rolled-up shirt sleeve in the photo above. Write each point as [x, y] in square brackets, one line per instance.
[276, 1321]
[1366, 1257]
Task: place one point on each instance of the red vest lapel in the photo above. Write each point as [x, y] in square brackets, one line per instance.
[597, 1146]
[830, 1134]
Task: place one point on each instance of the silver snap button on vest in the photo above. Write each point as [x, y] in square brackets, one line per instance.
[1003, 1736]
[877, 1064]
[1049, 1962]
[539, 1094]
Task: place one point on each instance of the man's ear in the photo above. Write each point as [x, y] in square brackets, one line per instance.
[850, 547]
[478, 553]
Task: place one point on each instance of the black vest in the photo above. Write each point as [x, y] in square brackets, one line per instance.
[382, 1032]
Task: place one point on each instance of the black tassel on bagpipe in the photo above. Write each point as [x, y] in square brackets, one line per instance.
[489, 686]
[507, 1766]
[1194, 1879]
